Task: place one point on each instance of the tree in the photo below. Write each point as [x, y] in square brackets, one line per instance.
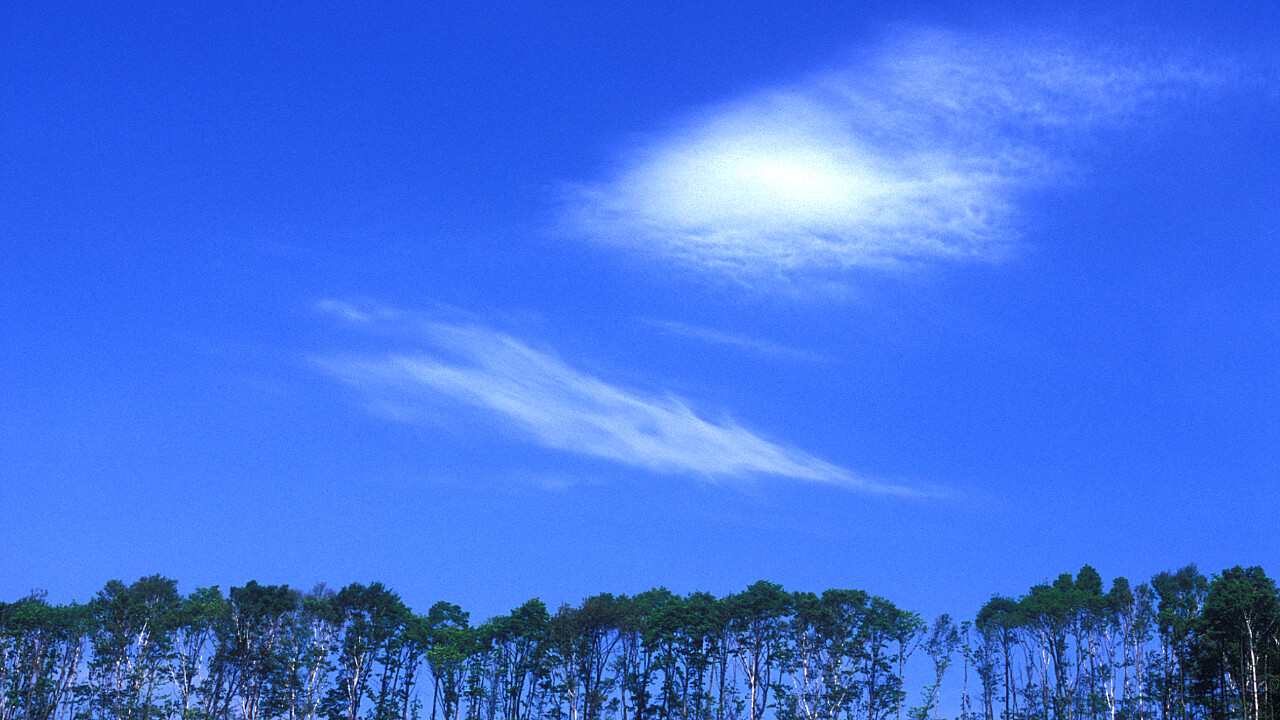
[259, 619]
[41, 648]
[372, 619]
[520, 641]
[902, 628]
[452, 641]
[757, 621]
[940, 646]
[195, 632]
[829, 635]
[1237, 649]
[310, 639]
[999, 621]
[1180, 596]
[131, 647]
[643, 638]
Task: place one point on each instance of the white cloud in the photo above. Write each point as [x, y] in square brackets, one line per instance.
[915, 154]
[743, 342]
[560, 407]
[344, 310]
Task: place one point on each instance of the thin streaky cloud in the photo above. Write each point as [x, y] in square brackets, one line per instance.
[344, 310]
[916, 154]
[742, 342]
[559, 407]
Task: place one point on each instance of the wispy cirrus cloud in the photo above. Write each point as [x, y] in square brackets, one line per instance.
[741, 342]
[557, 406]
[915, 154]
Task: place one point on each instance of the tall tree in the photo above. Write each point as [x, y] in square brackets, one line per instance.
[131, 646]
[452, 642]
[41, 649]
[901, 630]
[197, 622]
[999, 621]
[520, 641]
[311, 637]
[940, 645]
[260, 617]
[829, 636]
[1237, 647]
[373, 617]
[757, 621]
[1180, 595]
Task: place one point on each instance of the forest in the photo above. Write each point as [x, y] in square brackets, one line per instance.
[1181, 646]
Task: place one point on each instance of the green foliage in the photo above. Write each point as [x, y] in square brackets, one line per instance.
[1235, 646]
[368, 663]
[1183, 647]
[132, 640]
[41, 647]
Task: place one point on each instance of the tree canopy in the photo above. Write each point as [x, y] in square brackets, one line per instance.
[1180, 647]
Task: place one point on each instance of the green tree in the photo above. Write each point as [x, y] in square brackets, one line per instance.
[1179, 598]
[131, 648]
[940, 645]
[757, 623]
[999, 621]
[194, 634]
[1237, 648]
[41, 648]
[452, 641]
[259, 620]
[520, 641]
[310, 639]
[895, 632]
[828, 637]
[373, 617]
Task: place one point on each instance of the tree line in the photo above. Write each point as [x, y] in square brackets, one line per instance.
[1182, 646]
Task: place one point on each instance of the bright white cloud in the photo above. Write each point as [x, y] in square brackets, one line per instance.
[563, 408]
[914, 155]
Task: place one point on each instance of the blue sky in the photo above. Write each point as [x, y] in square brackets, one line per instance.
[488, 304]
